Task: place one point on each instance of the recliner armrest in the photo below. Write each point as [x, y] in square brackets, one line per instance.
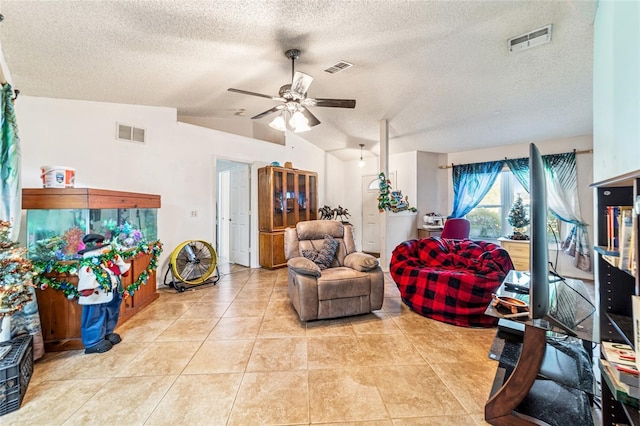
[362, 262]
[304, 266]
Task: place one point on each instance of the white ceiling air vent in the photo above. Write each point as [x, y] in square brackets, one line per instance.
[129, 133]
[529, 40]
[340, 66]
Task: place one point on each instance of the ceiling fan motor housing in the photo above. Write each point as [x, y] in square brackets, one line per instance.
[285, 91]
[292, 53]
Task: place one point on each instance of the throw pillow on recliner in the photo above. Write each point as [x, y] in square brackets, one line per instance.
[324, 257]
[310, 254]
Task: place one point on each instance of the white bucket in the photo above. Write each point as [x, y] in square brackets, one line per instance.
[57, 176]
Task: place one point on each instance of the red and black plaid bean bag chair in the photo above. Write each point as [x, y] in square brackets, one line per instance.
[450, 280]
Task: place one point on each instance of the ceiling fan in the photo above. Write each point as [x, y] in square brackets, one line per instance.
[295, 102]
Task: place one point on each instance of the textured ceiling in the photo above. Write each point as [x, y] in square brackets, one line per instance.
[438, 71]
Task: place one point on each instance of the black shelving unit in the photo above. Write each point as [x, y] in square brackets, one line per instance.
[615, 286]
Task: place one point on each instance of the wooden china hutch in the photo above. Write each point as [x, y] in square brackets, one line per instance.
[285, 197]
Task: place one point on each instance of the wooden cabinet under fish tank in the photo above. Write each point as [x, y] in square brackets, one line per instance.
[56, 221]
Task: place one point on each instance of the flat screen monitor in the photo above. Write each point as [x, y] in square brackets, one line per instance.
[539, 258]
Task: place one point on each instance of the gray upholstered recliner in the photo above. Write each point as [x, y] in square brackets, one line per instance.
[352, 284]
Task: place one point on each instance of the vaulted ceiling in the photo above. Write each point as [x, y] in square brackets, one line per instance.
[438, 71]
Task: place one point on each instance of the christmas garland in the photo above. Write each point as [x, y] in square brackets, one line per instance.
[44, 270]
[16, 274]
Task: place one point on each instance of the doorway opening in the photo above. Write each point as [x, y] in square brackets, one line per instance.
[233, 211]
[371, 240]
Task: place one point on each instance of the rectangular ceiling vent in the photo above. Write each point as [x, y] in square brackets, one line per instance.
[129, 133]
[529, 40]
[340, 66]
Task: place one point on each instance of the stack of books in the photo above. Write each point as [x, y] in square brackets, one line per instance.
[621, 236]
[612, 227]
[620, 372]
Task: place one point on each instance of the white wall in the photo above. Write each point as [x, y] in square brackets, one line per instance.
[177, 162]
[405, 166]
[432, 188]
[616, 89]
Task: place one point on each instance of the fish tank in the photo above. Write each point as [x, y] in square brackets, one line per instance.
[56, 233]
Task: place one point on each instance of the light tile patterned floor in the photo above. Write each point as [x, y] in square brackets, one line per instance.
[237, 354]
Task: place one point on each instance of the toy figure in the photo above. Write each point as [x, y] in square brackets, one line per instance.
[100, 305]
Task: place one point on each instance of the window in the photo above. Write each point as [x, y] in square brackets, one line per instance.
[489, 218]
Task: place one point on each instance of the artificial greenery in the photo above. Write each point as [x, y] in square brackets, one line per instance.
[384, 186]
[50, 273]
[16, 273]
[518, 219]
[391, 200]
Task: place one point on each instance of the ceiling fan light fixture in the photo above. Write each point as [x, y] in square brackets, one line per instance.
[278, 123]
[299, 122]
[302, 128]
[361, 161]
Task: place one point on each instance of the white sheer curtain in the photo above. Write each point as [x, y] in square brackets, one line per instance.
[562, 201]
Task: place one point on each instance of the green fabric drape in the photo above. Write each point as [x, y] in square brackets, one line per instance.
[10, 191]
[26, 320]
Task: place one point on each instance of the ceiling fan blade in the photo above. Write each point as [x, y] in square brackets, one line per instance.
[300, 83]
[313, 121]
[246, 92]
[271, 111]
[334, 103]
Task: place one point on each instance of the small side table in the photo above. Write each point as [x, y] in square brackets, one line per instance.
[518, 251]
[426, 233]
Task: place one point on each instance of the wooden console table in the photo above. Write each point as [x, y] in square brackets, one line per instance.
[518, 251]
[429, 232]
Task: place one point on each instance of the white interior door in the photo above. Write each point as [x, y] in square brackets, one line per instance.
[223, 214]
[239, 215]
[370, 215]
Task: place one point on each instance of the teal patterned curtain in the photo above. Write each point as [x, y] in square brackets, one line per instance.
[26, 320]
[471, 182]
[520, 168]
[10, 191]
[562, 200]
